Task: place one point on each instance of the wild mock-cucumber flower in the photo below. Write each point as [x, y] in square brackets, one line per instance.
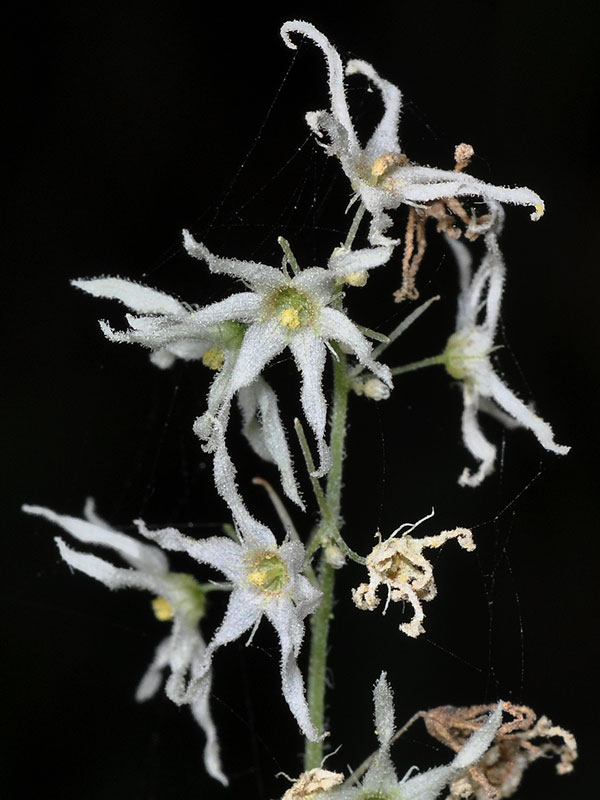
[267, 581]
[178, 599]
[172, 329]
[295, 311]
[467, 359]
[380, 174]
[381, 781]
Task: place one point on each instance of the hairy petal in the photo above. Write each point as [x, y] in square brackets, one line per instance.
[136, 297]
[139, 555]
[385, 136]
[475, 442]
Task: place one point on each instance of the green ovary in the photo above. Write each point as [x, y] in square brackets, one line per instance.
[293, 308]
[269, 573]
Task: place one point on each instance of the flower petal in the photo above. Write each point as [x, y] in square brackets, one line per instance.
[385, 136]
[290, 630]
[251, 272]
[337, 91]
[138, 298]
[263, 428]
[309, 352]
[523, 414]
[475, 441]
[141, 556]
[337, 326]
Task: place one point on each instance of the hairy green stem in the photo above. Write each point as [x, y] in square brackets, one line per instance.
[313, 753]
[425, 362]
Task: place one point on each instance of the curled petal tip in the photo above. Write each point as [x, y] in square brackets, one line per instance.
[539, 212]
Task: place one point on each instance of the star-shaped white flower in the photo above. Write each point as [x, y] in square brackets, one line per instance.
[296, 311]
[178, 597]
[380, 174]
[380, 780]
[267, 580]
[172, 329]
[467, 358]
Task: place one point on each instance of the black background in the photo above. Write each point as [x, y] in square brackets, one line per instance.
[132, 120]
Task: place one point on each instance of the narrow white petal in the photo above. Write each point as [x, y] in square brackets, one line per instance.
[212, 753]
[242, 306]
[475, 442]
[218, 551]
[479, 741]
[290, 630]
[359, 260]
[385, 136]
[109, 575]
[251, 272]
[186, 645]
[523, 414]
[335, 70]
[243, 612]
[152, 678]
[262, 342]
[138, 298]
[309, 352]
[142, 556]
[337, 326]
[253, 533]
[423, 184]
[274, 438]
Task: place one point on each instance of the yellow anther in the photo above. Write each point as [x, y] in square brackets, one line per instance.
[290, 318]
[357, 278]
[213, 358]
[539, 210]
[387, 161]
[163, 610]
[258, 577]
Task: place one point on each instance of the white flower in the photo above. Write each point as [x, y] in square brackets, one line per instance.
[283, 311]
[178, 598]
[467, 358]
[381, 781]
[267, 581]
[171, 329]
[380, 173]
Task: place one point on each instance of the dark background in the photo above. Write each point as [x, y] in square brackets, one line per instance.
[132, 120]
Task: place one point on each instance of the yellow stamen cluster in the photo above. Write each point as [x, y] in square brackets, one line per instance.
[213, 358]
[290, 318]
[163, 610]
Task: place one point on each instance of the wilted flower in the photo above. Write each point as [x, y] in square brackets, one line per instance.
[296, 311]
[171, 330]
[380, 174]
[467, 359]
[178, 598]
[267, 581]
[398, 563]
[380, 780]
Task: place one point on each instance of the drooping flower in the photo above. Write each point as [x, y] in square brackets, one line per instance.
[380, 173]
[381, 781]
[172, 329]
[467, 359]
[267, 581]
[178, 599]
[294, 311]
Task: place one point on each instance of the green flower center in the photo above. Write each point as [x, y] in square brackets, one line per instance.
[269, 573]
[185, 598]
[464, 350]
[293, 308]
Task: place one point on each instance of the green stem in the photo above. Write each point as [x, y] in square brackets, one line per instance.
[425, 362]
[313, 752]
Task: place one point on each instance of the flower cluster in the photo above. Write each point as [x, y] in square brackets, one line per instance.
[303, 311]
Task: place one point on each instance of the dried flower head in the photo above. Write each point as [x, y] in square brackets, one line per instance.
[399, 564]
[312, 783]
[518, 742]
